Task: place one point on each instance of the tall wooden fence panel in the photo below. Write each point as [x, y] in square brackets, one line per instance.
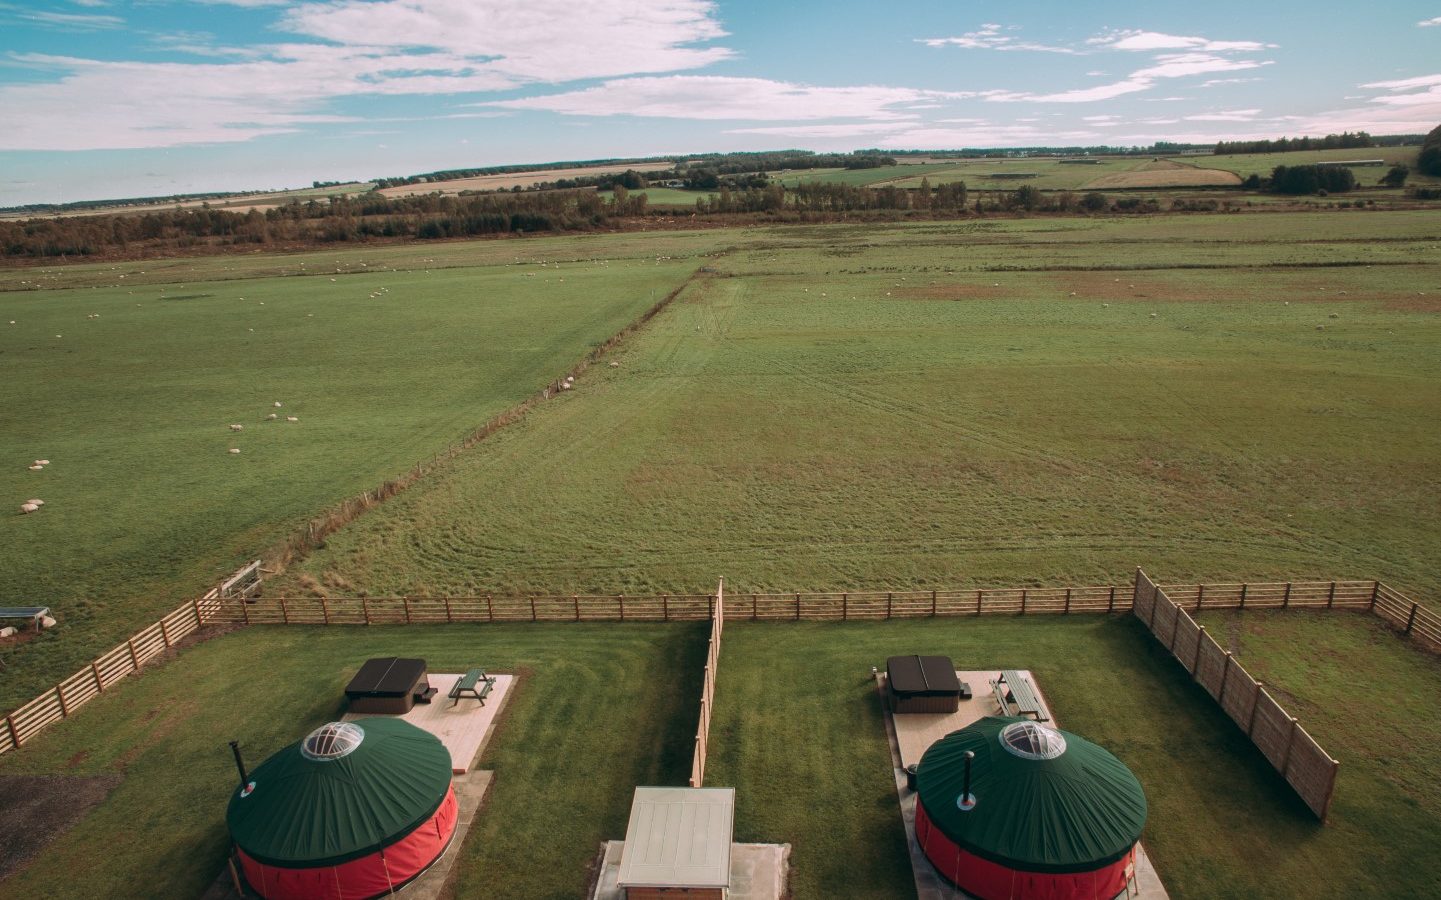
[707, 694]
[1276, 733]
[61, 701]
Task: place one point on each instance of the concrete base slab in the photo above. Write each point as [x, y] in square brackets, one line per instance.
[758, 871]
[463, 726]
[470, 791]
[910, 734]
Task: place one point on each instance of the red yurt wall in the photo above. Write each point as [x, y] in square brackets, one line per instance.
[987, 880]
[375, 875]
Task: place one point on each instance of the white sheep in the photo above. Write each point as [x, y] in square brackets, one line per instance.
[565, 385]
[570, 378]
[271, 418]
[36, 500]
[292, 418]
[277, 404]
[42, 462]
[28, 508]
[36, 468]
[234, 449]
[237, 427]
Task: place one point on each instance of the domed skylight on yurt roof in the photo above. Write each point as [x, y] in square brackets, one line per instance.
[1030, 740]
[332, 741]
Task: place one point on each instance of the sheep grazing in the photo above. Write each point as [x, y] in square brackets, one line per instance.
[615, 365]
[234, 449]
[292, 418]
[569, 378]
[565, 385]
[271, 418]
[36, 500]
[27, 508]
[36, 468]
[237, 427]
[277, 404]
[42, 462]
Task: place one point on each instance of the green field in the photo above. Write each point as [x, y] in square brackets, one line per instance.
[860, 177]
[1224, 397]
[660, 196]
[797, 730]
[1245, 164]
[384, 360]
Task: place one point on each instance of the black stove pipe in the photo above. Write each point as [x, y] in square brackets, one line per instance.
[240, 764]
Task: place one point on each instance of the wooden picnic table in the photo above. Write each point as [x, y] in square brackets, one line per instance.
[1017, 688]
[474, 683]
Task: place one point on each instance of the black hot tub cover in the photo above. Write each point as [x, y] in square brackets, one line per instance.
[922, 676]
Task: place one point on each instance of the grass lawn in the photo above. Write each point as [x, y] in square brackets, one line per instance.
[383, 359]
[928, 405]
[797, 730]
[600, 709]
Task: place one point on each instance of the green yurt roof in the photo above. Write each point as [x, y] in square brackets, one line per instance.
[345, 791]
[1046, 800]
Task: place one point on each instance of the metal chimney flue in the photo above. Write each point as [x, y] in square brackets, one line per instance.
[967, 800]
[240, 764]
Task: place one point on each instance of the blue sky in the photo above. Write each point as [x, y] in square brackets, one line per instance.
[106, 98]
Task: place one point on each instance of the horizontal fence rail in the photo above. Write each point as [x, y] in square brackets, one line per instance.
[234, 602]
[707, 691]
[1309, 769]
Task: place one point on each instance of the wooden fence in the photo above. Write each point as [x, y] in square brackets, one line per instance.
[707, 690]
[1290, 749]
[61, 701]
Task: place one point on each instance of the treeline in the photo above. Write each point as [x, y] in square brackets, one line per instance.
[344, 219]
[1344, 141]
[1310, 180]
[650, 162]
[1429, 162]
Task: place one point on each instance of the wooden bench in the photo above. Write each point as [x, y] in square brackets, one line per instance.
[474, 683]
[1023, 695]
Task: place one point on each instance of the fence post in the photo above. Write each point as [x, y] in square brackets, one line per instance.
[284, 613]
[64, 710]
[1255, 702]
[99, 682]
[845, 603]
[245, 610]
[532, 608]
[979, 591]
[798, 607]
[365, 607]
[1244, 586]
[1200, 595]
[620, 600]
[1023, 601]
[1225, 673]
[888, 604]
[664, 608]
[575, 598]
[134, 657]
[933, 604]
[1200, 635]
[1068, 601]
[199, 619]
[1286, 598]
[1331, 596]
[1290, 742]
[489, 608]
[405, 605]
[1375, 589]
[164, 633]
[14, 732]
[755, 607]
[448, 619]
[1111, 601]
[1411, 619]
[325, 610]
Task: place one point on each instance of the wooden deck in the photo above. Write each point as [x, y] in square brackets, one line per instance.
[462, 727]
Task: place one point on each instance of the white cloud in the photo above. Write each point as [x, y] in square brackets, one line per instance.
[539, 40]
[1232, 115]
[855, 129]
[66, 21]
[718, 97]
[1150, 41]
[1079, 95]
[991, 37]
[1405, 84]
[1428, 23]
[1181, 65]
[1216, 81]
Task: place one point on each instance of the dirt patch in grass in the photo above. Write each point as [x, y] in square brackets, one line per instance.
[1430, 302]
[36, 809]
